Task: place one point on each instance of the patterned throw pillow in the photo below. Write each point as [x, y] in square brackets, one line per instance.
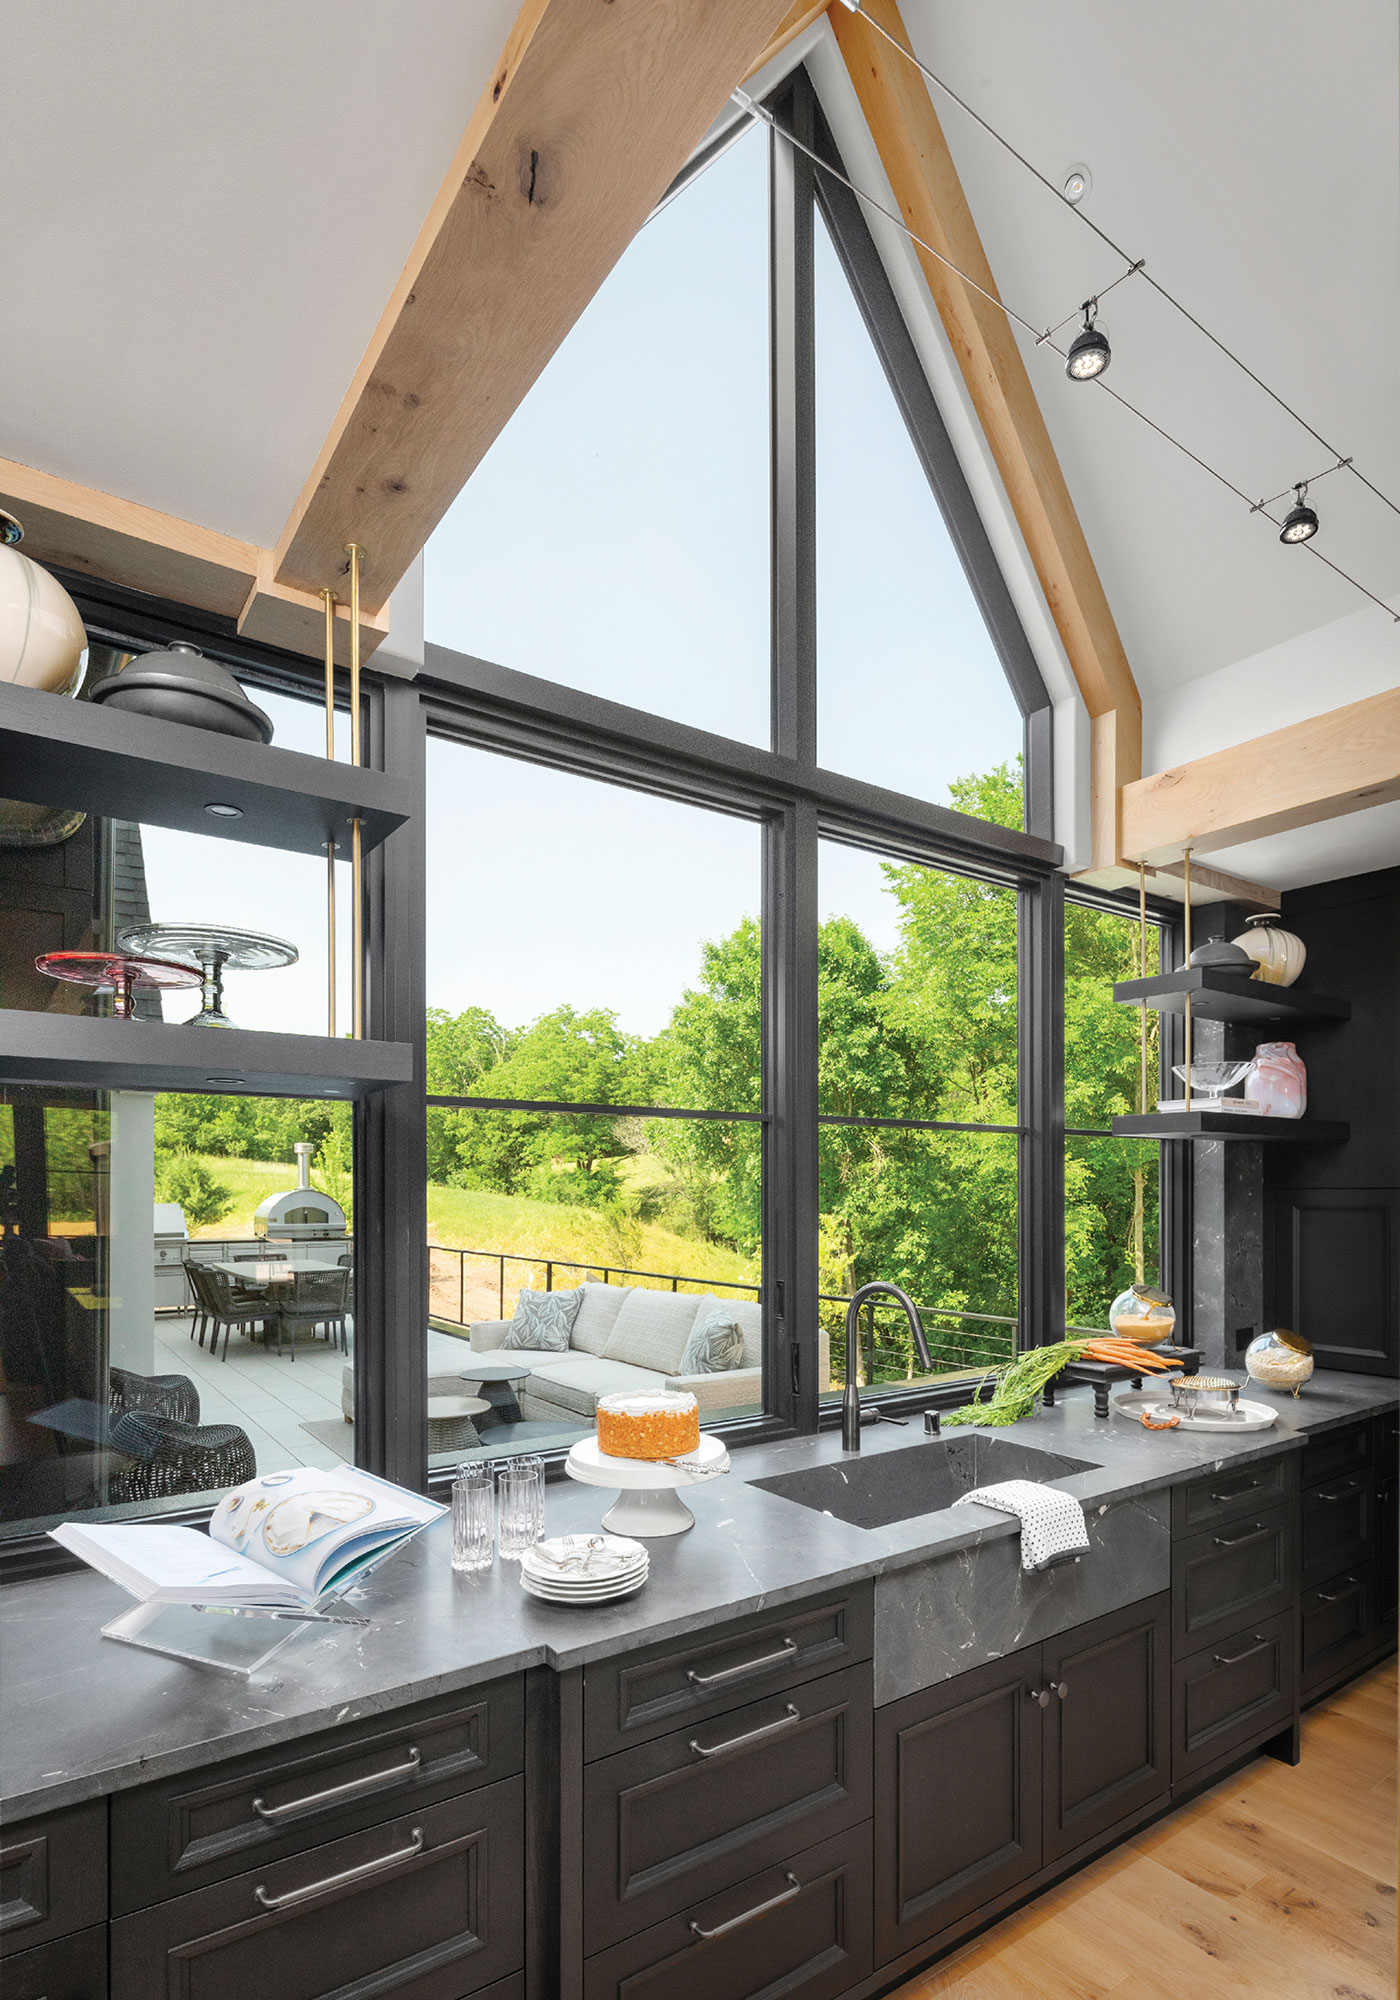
[544, 1320]
[716, 1343]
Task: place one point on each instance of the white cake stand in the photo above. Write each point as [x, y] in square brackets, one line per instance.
[648, 1503]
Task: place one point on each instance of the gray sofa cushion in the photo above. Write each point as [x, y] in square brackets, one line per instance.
[544, 1319]
[716, 1344]
[597, 1315]
[652, 1329]
[575, 1384]
[747, 1314]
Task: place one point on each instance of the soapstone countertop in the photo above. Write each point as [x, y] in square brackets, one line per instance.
[81, 1716]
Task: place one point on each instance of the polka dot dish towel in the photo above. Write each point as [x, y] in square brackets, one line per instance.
[1052, 1524]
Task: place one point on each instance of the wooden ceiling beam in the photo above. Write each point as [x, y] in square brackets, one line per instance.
[795, 22]
[1318, 769]
[593, 108]
[920, 170]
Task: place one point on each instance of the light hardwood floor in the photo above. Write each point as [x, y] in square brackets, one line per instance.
[1278, 1884]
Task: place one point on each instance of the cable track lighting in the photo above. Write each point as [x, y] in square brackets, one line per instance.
[1089, 351]
[1300, 523]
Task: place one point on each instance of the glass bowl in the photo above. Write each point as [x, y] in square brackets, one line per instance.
[1144, 1314]
[1211, 1078]
[1279, 1360]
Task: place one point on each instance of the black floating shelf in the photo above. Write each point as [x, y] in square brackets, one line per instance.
[57, 752]
[1226, 996]
[1231, 1125]
[86, 1053]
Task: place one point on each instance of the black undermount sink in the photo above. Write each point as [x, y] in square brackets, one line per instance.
[920, 1479]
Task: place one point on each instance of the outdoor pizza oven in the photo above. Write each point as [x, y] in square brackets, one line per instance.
[303, 1214]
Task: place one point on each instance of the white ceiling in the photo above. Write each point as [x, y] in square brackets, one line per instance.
[1251, 153]
[205, 209]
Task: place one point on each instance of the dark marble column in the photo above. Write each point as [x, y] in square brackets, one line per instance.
[1228, 1220]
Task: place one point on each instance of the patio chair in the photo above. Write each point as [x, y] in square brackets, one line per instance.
[226, 1305]
[315, 1299]
[162, 1395]
[170, 1457]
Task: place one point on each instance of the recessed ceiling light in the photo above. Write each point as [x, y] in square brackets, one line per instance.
[224, 812]
[228, 1080]
[1079, 182]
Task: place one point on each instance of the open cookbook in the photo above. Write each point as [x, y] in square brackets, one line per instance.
[279, 1542]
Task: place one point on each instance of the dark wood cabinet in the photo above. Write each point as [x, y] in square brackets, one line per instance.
[957, 1798]
[1107, 1725]
[53, 1877]
[1338, 1524]
[801, 1930]
[1229, 1495]
[192, 1831]
[643, 1695]
[984, 1779]
[72, 1968]
[1333, 1454]
[1339, 1628]
[1231, 1574]
[671, 1822]
[1387, 1521]
[426, 1907]
[1231, 1694]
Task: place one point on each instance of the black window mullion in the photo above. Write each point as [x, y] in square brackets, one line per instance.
[1040, 1031]
[791, 1196]
[793, 419]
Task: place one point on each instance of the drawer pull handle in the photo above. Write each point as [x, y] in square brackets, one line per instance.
[1241, 1541]
[357, 1788]
[1234, 1492]
[1233, 1659]
[726, 1674]
[758, 1910]
[1343, 1493]
[339, 1881]
[750, 1736]
[1336, 1596]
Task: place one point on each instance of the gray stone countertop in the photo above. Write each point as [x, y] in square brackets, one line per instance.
[81, 1716]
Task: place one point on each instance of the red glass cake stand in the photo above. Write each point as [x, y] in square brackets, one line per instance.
[122, 974]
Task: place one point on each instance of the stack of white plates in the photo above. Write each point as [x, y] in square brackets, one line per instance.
[584, 1569]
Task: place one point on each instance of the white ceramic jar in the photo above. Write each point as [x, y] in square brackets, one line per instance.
[41, 635]
[1281, 956]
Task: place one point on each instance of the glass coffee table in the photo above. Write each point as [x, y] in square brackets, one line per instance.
[498, 1382]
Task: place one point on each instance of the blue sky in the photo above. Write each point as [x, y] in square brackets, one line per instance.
[616, 539]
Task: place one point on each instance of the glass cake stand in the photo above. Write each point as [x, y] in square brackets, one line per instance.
[215, 949]
[123, 974]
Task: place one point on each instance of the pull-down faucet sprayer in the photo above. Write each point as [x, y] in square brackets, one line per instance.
[850, 1401]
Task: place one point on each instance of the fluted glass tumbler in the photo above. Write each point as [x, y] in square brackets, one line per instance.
[473, 1517]
[519, 1506]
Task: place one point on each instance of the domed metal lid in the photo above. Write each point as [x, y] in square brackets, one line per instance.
[182, 669]
[1297, 1341]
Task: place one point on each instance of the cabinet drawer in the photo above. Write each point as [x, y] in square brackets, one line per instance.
[1221, 1580]
[671, 1823]
[1232, 1694]
[801, 1930]
[1233, 1493]
[1338, 1524]
[1338, 1625]
[1332, 1454]
[643, 1695]
[53, 1876]
[426, 1907]
[189, 1832]
[72, 1968]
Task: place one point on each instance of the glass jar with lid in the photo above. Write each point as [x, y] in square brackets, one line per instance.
[1144, 1314]
[1279, 1360]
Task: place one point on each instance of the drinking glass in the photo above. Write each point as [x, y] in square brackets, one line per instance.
[519, 1506]
[473, 1517]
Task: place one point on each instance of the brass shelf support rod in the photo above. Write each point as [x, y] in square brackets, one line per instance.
[330, 603]
[357, 910]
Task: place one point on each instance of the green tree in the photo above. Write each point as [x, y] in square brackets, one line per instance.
[186, 1181]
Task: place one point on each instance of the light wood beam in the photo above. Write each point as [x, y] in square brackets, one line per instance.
[594, 107]
[119, 541]
[796, 21]
[921, 173]
[1314, 770]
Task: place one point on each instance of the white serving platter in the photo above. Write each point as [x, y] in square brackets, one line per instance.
[1252, 1416]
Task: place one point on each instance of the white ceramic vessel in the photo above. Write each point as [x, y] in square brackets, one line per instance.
[42, 639]
[1281, 956]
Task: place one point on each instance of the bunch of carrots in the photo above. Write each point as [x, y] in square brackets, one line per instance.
[1017, 1388]
[1128, 1354]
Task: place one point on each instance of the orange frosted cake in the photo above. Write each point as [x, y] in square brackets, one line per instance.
[663, 1425]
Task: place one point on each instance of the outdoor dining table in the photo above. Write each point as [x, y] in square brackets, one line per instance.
[254, 1275]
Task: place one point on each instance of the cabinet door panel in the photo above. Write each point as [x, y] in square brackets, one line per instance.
[1338, 1525]
[800, 1930]
[958, 1799]
[672, 1822]
[1332, 1454]
[1232, 1694]
[1339, 1626]
[428, 1907]
[53, 1876]
[72, 1968]
[1107, 1728]
[1227, 1495]
[1234, 1573]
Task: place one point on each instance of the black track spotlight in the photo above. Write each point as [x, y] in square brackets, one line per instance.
[1300, 523]
[1089, 351]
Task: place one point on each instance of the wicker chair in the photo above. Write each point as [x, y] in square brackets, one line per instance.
[315, 1298]
[170, 1457]
[224, 1304]
[163, 1395]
